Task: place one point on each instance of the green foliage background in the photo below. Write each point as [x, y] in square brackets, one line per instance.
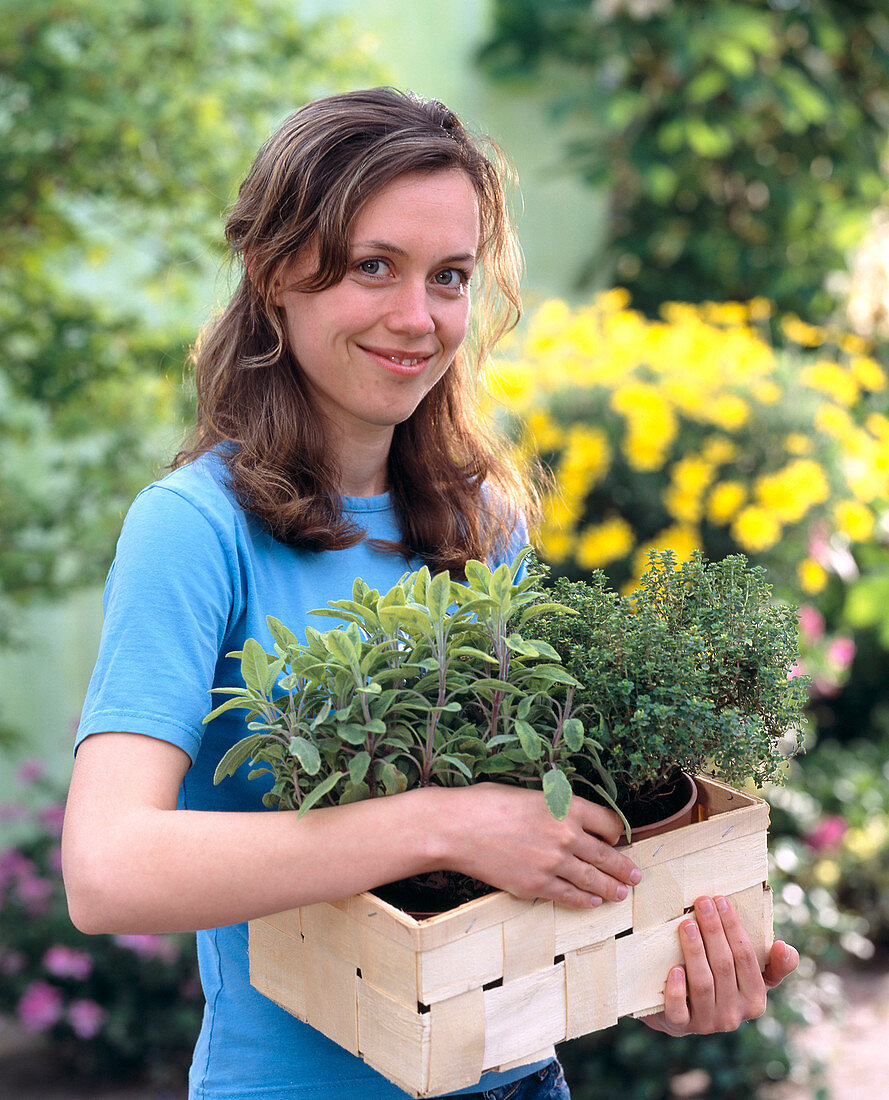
[125, 130]
[742, 142]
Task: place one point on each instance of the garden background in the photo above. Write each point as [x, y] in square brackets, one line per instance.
[702, 363]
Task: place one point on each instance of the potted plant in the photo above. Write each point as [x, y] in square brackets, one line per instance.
[442, 682]
[688, 674]
[433, 682]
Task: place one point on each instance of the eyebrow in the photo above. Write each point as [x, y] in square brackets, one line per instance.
[396, 250]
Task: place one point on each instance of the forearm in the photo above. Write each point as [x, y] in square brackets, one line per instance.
[160, 870]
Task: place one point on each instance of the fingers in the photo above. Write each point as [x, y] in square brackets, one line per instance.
[783, 960]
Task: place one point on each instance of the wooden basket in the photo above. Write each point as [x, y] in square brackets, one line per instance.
[496, 982]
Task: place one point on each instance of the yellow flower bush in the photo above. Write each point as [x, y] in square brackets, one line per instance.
[694, 430]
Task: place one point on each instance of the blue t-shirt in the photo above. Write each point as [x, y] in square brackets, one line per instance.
[194, 577]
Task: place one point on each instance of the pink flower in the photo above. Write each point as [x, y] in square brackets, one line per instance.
[52, 817]
[150, 947]
[31, 770]
[67, 962]
[86, 1018]
[12, 812]
[841, 652]
[14, 866]
[827, 836]
[797, 671]
[39, 1007]
[35, 894]
[811, 623]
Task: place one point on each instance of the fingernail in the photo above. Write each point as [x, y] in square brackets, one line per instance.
[690, 929]
[621, 892]
[721, 904]
[705, 906]
[635, 876]
[676, 974]
[594, 901]
[787, 952]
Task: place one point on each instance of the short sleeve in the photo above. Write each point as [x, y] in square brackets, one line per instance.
[167, 605]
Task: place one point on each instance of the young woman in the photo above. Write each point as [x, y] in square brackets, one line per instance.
[337, 436]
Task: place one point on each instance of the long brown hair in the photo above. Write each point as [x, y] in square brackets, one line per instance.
[454, 487]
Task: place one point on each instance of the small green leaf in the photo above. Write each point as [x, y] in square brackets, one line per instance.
[254, 665]
[358, 766]
[529, 740]
[573, 730]
[237, 755]
[307, 754]
[320, 791]
[557, 793]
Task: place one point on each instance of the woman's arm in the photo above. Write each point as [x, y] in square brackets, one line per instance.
[134, 863]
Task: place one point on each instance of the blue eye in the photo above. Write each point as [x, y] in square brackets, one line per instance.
[451, 277]
[371, 267]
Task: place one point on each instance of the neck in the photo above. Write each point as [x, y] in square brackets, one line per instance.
[363, 464]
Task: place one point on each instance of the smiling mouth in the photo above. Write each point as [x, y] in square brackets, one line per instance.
[399, 361]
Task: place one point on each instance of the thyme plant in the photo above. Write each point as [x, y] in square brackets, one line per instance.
[692, 671]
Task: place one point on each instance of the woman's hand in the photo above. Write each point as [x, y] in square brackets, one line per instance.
[505, 836]
[721, 985]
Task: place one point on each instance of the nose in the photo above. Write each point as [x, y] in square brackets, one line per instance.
[409, 311]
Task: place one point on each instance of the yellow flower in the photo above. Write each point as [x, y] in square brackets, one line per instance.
[826, 872]
[832, 420]
[812, 576]
[832, 379]
[681, 539]
[867, 841]
[719, 450]
[545, 433]
[650, 424]
[761, 309]
[854, 519]
[756, 529]
[807, 336]
[510, 382]
[601, 544]
[689, 478]
[797, 444]
[728, 411]
[767, 392]
[791, 491]
[584, 460]
[868, 373]
[555, 546]
[725, 501]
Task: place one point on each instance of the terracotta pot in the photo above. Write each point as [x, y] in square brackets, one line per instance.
[685, 815]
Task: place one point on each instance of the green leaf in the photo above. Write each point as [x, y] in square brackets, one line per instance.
[254, 665]
[557, 793]
[315, 795]
[285, 638]
[573, 731]
[529, 739]
[358, 766]
[237, 755]
[307, 754]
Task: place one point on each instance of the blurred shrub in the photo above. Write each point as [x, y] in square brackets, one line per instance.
[125, 129]
[831, 832]
[694, 430]
[110, 1005]
[741, 142]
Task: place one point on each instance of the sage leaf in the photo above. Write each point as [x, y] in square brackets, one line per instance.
[358, 766]
[529, 740]
[307, 754]
[320, 791]
[557, 793]
[572, 728]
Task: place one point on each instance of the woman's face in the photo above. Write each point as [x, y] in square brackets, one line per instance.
[373, 345]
